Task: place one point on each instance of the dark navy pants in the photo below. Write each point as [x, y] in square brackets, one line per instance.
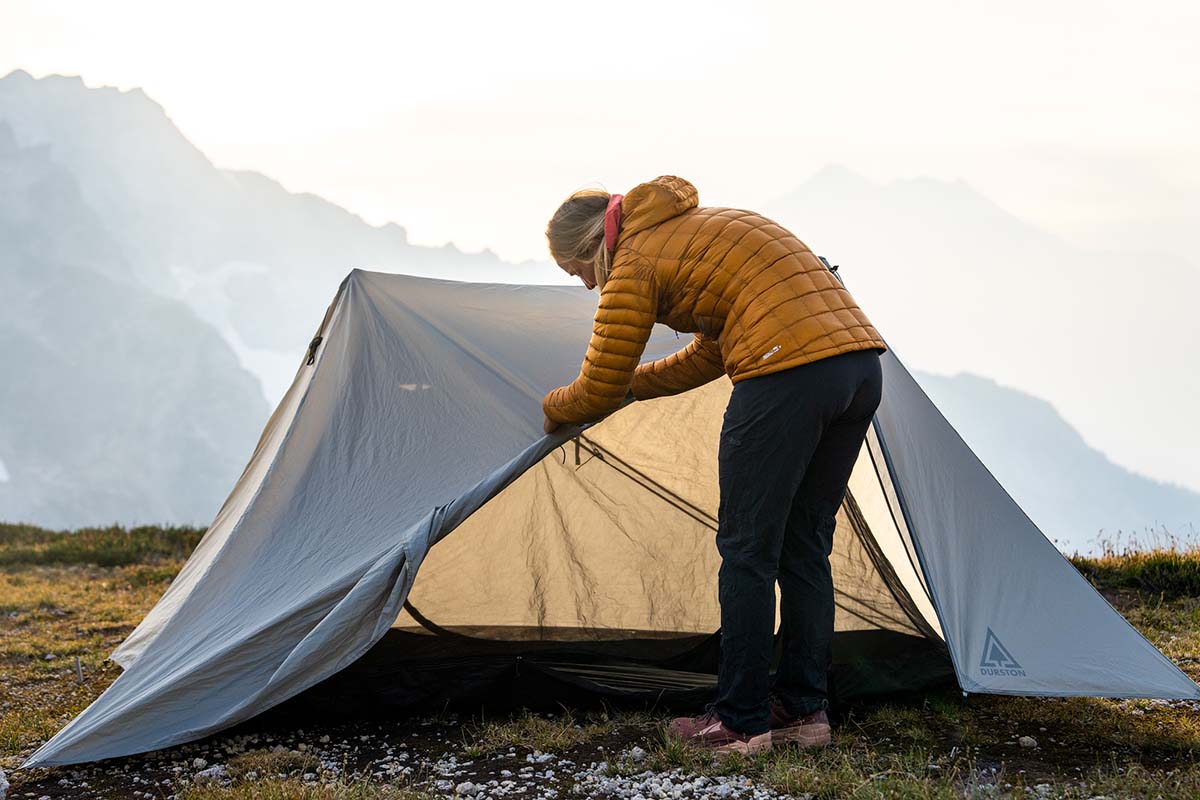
[788, 444]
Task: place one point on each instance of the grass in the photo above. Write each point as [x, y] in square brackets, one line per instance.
[113, 546]
[65, 598]
[49, 615]
[1167, 573]
[547, 734]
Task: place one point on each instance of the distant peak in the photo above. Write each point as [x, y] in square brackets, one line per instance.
[833, 179]
[838, 174]
[136, 95]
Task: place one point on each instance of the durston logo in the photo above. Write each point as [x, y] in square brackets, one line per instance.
[997, 660]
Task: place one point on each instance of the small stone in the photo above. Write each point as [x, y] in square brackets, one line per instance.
[1027, 741]
[214, 774]
[466, 789]
[199, 763]
[49, 656]
[637, 754]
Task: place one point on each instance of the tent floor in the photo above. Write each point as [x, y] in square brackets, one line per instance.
[412, 669]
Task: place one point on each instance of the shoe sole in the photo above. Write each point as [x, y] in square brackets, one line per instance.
[816, 735]
[753, 745]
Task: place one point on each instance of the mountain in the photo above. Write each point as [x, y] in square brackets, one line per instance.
[152, 299]
[118, 404]
[256, 261]
[153, 304]
[1076, 495]
[955, 283]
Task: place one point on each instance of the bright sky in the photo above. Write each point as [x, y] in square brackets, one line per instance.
[470, 121]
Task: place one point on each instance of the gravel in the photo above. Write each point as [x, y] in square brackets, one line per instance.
[423, 754]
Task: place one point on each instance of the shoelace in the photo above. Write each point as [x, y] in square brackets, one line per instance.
[710, 713]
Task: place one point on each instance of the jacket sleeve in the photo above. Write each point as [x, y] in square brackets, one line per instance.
[626, 314]
[693, 366]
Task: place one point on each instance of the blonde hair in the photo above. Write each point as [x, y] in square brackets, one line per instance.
[576, 231]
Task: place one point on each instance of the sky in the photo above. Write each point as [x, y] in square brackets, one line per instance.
[470, 122]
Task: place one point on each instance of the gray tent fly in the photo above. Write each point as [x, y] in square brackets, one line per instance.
[403, 500]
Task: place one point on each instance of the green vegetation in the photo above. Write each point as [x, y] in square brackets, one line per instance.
[113, 546]
[1166, 572]
[547, 734]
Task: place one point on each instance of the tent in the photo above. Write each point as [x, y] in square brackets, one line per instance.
[403, 500]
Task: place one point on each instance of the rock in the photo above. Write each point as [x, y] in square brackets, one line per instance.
[49, 656]
[214, 774]
[637, 754]
[466, 789]
[199, 763]
[1027, 741]
[3, 785]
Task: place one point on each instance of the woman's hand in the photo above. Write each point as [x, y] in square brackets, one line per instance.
[549, 425]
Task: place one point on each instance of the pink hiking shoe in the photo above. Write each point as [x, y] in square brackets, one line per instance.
[809, 730]
[710, 733]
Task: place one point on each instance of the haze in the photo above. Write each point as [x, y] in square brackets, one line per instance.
[469, 123]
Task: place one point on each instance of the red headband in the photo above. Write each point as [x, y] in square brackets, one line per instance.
[612, 221]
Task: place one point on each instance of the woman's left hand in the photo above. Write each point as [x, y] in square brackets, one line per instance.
[549, 425]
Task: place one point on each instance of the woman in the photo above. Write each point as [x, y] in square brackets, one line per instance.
[804, 362]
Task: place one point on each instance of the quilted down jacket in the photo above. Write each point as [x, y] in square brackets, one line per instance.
[756, 298]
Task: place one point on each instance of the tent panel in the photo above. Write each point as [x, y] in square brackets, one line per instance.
[403, 423]
[1018, 618]
[867, 488]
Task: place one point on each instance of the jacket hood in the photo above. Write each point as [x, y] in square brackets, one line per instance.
[650, 203]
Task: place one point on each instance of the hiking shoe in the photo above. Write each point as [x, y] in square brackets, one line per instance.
[809, 730]
[709, 732]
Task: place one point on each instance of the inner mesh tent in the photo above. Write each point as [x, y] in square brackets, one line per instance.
[598, 568]
[404, 481]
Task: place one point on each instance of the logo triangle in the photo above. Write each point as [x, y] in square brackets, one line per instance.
[996, 655]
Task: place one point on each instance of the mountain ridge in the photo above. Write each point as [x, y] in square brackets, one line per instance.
[239, 256]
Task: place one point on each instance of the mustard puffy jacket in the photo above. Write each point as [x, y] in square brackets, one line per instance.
[755, 296]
